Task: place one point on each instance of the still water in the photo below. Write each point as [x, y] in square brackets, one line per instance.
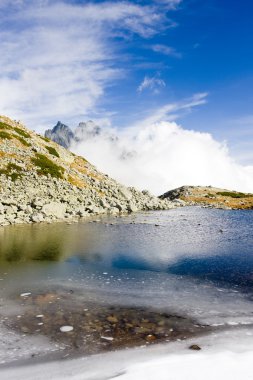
[192, 262]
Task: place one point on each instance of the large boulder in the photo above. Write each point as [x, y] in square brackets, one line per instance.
[56, 209]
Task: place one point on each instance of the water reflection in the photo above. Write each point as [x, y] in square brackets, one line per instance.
[182, 242]
[233, 269]
[22, 243]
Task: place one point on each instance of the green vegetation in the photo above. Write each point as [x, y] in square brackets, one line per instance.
[47, 166]
[13, 171]
[14, 176]
[210, 195]
[4, 125]
[23, 141]
[52, 151]
[3, 171]
[22, 133]
[5, 135]
[234, 194]
[45, 138]
[11, 167]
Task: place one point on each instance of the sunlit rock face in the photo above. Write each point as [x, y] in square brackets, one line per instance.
[61, 134]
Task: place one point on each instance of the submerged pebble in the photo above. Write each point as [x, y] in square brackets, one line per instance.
[66, 328]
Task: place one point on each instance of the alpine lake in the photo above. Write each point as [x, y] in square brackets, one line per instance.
[112, 283]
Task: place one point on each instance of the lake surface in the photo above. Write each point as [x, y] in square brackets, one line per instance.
[148, 269]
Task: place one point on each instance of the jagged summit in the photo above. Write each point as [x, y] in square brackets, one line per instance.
[61, 134]
[40, 181]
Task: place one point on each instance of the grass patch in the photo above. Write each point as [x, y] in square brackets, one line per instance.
[3, 171]
[5, 135]
[12, 166]
[13, 171]
[23, 141]
[14, 176]
[234, 194]
[47, 166]
[45, 138]
[4, 125]
[52, 151]
[210, 195]
[22, 133]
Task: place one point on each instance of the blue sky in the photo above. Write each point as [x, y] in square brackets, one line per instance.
[122, 62]
[214, 41]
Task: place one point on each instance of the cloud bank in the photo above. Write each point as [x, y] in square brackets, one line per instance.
[161, 155]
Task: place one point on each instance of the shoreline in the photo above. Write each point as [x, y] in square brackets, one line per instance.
[92, 217]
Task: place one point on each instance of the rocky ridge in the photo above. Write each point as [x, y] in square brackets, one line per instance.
[211, 197]
[63, 135]
[41, 181]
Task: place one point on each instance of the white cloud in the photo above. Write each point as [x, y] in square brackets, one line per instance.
[168, 111]
[166, 50]
[151, 83]
[57, 59]
[170, 4]
[161, 155]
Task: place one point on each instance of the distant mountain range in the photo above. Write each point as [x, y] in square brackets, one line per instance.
[63, 134]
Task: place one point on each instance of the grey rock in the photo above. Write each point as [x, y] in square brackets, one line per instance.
[132, 207]
[61, 134]
[82, 212]
[2, 219]
[10, 210]
[1, 209]
[123, 191]
[37, 218]
[54, 209]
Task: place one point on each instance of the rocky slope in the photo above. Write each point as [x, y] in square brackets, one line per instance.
[42, 181]
[210, 197]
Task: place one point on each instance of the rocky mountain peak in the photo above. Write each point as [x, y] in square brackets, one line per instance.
[61, 134]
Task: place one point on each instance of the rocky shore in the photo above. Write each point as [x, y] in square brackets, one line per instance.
[40, 181]
[210, 197]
